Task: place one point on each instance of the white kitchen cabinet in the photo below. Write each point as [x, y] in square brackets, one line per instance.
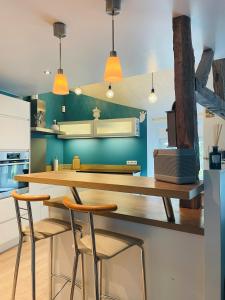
[14, 107]
[126, 127]
[7, 209]
[14, 124]
[8, 235]
[14, 133]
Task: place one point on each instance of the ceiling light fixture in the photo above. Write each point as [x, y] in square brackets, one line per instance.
[110, 93]
[113, 69]
[60, 86]
[78, 91]
[152, 96]
[47, 72]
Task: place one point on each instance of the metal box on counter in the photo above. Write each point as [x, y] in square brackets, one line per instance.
[175, 165]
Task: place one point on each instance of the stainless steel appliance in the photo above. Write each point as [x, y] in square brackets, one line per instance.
[13, 163]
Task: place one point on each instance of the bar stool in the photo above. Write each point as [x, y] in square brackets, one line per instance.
[46, 228]
[101, 244]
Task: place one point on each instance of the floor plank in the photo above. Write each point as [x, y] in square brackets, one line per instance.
[7, 264]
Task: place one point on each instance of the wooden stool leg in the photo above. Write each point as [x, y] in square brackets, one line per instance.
[19, 250]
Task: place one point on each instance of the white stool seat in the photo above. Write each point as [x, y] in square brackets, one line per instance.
[108, 244]
[47, 228]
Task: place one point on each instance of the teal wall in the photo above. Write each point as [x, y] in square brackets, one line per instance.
[92, 151]
[104, 150]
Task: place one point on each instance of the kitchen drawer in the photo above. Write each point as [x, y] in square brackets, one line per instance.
[9, 235]
[7, 210]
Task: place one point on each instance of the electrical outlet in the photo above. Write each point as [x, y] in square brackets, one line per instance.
[132, 162]
[63, 109]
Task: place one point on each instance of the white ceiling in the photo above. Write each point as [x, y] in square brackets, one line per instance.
[143, 38]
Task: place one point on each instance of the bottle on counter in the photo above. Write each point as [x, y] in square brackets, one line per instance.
[215, 159]
[55, 126]
[76, 163]
[55, 164]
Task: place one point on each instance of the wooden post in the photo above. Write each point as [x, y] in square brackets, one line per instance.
[186, 109]
[219, 77]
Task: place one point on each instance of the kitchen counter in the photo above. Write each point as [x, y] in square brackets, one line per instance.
[101, 168]
[118, 183]
[174, 250]
[141, 209]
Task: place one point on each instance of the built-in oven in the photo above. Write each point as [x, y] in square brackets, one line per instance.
[13, 163]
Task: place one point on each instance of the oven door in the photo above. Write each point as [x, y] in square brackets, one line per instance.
[8, 170]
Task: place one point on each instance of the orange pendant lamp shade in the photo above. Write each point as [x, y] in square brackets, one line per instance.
[60, 86]
[113, 69]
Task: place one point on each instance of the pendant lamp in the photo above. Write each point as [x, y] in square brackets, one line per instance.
[113, 69]
[60, 86]
[152, 96]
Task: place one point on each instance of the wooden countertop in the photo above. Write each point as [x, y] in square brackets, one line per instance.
[100, 168]
[119, 183]
[142, 209]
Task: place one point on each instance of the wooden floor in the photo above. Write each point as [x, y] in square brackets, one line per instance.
[7, 263]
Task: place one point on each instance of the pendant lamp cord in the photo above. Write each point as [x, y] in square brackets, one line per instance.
[152, 81]
[113, 32]
[60, 54]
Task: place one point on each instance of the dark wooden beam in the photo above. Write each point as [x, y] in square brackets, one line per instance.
[186, 110]
[210, 100]
[204, 67]
[219, 77]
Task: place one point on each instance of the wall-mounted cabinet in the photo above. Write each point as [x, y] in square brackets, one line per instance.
[76, 129]
[126, 127]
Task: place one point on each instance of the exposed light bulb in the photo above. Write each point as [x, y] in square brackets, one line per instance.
[110, 93]
[78, 91]
[152, 97]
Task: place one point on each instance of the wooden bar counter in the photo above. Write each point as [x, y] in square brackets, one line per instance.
[132, 197]
[174, 250]
[141, 209]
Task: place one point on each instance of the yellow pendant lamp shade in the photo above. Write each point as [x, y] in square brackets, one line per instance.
[113, 69]
[60, 86]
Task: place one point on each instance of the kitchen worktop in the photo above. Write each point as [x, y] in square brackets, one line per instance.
[101, 168]
[141, 209]
[118, 183]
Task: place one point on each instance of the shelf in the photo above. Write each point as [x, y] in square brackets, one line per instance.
[49, 131]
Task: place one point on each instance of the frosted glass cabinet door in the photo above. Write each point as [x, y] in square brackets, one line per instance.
[14, 133]
[126, 127]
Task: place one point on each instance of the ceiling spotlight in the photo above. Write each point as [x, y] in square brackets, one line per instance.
[47, 72]
[78, 91]
[110, 93]
[152, 96]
